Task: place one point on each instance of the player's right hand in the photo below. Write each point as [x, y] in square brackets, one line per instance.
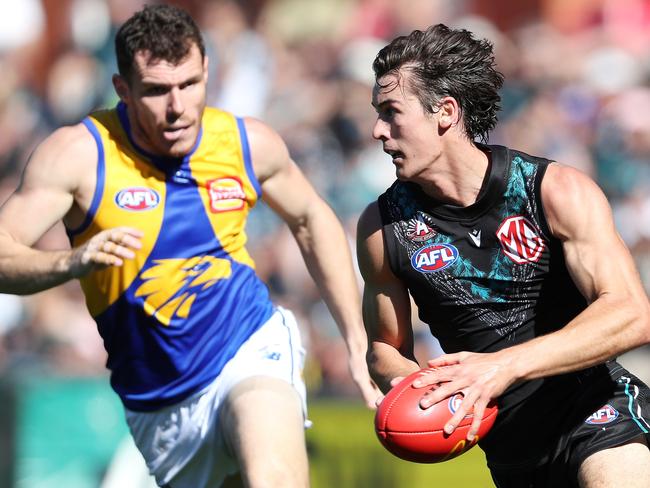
[107, 248]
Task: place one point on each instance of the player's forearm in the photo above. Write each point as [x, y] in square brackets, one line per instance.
[326, 252]
[607, 328]
[26, 271]
[385, 363]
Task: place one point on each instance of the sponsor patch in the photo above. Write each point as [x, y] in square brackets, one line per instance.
[520, 240]
[604, 415]
[226, 194]
[434, 257]
[419, 231]
[137, 199]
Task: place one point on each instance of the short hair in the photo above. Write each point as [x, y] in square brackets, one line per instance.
[447, 62]
[164, 31]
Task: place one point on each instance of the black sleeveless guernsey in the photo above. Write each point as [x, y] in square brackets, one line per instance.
[487, 276]
[491, 275]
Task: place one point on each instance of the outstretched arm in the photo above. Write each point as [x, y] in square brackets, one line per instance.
[321, 239]
[386, 306]
[49, 189]
[603, 270]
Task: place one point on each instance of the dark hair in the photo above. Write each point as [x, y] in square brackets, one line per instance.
[447, 62]
[166, 32]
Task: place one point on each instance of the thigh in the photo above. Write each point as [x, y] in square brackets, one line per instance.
[185, 444]
[624, 466]
[262, 424]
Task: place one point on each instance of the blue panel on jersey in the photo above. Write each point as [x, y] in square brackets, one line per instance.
[248, 162]
[174, 360]
[99, 186]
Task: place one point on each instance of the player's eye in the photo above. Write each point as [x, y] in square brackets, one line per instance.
[153, 91]
[386, 113]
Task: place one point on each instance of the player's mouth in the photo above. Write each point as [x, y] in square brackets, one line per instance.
[175, 133]
[397, 156]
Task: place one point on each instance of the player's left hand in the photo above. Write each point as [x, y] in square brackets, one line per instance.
[480, 377]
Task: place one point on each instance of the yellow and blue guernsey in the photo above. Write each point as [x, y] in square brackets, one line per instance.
[173, 316]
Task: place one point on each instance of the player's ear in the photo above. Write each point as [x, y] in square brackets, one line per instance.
[121, 87]
[448, 112]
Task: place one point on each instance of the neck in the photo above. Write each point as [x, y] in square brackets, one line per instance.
[458, 175]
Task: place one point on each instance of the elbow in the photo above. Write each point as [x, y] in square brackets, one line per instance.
[639, 321]
[644, 323]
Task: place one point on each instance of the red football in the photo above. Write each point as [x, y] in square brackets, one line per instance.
[416, 434]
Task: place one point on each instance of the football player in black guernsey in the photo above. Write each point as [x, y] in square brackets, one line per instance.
[515, 264]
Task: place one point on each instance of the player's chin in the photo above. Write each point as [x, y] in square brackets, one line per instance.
[179, 149]
[402, 173]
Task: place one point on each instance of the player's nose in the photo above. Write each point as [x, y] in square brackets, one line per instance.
[175, 106]
[381, 130]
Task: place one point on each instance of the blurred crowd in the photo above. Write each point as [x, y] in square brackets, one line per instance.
[577, 90]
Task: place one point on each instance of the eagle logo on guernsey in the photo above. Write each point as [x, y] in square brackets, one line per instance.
[419, 231]
[604, 415]
[520, 240]
[137, 199]
[434, 257]
[170, 286]
[226, 194]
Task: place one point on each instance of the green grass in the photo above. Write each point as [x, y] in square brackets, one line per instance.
[344, 452]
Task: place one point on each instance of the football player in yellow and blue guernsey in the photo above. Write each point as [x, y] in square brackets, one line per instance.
[154, 194]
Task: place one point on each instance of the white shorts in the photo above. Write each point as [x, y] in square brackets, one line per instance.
[182, 444]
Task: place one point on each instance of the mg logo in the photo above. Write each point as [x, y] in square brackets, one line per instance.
[519, 240]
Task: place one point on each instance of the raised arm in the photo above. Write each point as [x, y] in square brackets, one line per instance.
[321, 239]
[58, 176]
[386, 306]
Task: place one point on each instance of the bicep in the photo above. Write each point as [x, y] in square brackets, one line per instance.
[290, 195]
[580, 216]
[386, 301]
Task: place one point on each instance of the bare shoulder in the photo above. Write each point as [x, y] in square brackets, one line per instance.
[369, 221]
[370, 241]
[572, 200]
[63, 158]
[269, 153]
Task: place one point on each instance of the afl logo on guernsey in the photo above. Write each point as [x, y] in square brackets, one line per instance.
[519, 240]
[137, 199]
[434, 257]
[226, 194]
[604, 415]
